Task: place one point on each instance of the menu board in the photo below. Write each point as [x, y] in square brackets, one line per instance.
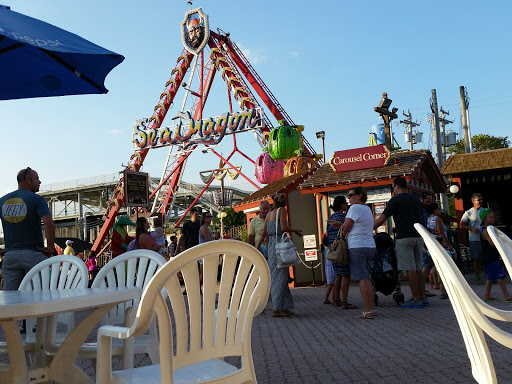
[136, 189]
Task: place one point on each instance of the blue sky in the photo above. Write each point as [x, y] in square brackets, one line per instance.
[326, 62]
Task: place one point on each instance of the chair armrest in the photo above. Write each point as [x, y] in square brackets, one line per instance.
[494, 313]
[114, 331]
[104, 352]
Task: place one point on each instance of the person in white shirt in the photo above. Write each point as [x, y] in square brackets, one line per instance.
[361, 246]
[257, 223]
[471, 222]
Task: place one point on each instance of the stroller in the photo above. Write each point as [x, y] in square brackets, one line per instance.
[385, 276]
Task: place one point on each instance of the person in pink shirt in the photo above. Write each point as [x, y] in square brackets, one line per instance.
[92, 266]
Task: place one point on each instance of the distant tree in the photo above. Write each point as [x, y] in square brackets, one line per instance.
[234, 219]
[480, 142]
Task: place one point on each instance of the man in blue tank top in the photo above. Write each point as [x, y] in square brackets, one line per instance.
[21, 212]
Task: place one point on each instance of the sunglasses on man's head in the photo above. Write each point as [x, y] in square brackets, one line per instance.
[26, 173]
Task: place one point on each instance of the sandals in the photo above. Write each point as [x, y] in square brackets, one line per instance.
[327, 301]
[281, 313]
[347, 305]
[366, 315]
[489, 298]
[344, 304]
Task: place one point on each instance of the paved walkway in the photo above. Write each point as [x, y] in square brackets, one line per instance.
[325, 344]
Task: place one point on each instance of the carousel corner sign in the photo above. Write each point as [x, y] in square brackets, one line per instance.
[359, 158]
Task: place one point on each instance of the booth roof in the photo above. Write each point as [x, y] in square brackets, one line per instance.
[478, 161]
[270, 189]
[407, 163]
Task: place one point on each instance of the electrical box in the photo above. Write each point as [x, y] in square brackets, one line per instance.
[451, 138]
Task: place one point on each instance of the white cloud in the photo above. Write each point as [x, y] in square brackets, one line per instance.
[251, 55]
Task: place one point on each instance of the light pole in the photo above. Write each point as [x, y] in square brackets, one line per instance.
[321, 135]
[222, 198]
[383, 110]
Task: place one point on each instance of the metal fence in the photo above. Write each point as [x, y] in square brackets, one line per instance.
[73, 184]
[239, 233]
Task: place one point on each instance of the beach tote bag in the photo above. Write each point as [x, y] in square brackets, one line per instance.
[338, 253]
[285, 250]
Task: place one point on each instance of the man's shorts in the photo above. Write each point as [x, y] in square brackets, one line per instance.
[360, 262]
[408, 253]
[16, 265]
[495, 271]
[475, 249]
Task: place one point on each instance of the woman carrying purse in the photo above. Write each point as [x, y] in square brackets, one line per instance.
[282, 301]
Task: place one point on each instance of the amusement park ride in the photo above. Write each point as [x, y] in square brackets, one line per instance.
[285, 150]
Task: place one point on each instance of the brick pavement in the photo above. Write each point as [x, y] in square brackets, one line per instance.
[325, 344]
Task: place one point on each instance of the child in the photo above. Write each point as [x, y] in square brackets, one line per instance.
[444, 295]
[173, 245]
[158, 234]
[491, 258]
[330, 275]
[92, 266]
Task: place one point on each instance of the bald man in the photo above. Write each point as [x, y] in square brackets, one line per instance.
[257, 223]
[21, 213]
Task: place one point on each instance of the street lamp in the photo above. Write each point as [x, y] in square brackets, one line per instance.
[321, 135]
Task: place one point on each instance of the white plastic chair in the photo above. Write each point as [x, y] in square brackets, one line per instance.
[471, 311]
[207, 328]
[131, 269]
[503, 244]
[55, 273]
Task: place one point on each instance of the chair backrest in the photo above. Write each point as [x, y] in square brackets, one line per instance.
[206, 326]
[470, 310]
[55, 273]
[131, 269]
[503, 244]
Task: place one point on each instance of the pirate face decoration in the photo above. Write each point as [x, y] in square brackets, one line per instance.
[195, 31]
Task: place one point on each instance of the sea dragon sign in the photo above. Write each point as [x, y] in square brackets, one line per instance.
[188, 132]
[359, 158]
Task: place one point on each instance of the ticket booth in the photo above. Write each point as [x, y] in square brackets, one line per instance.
[301, 214]
[373, 168]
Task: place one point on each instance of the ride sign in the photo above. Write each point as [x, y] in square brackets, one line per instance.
[359, 158]
[136, 186]
[208, 131]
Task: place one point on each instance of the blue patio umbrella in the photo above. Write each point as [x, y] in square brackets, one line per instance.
[38, 59]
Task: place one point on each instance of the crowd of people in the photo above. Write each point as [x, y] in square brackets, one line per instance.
[23, 211]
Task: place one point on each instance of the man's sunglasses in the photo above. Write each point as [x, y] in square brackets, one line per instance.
[26, 173]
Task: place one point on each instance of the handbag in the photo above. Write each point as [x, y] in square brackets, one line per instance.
[285, 250]
[338, 253]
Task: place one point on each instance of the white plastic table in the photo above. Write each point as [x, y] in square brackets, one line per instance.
[19, 305]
